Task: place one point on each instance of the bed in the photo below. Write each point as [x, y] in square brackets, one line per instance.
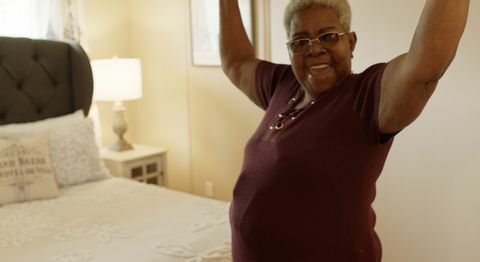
[58, 202]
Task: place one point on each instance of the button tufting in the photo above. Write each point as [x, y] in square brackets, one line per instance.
[35, 57]
[19, 85]
[2, 116]
[39, 110]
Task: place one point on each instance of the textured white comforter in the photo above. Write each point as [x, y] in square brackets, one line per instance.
[116, 220]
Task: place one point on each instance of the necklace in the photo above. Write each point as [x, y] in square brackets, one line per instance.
[291, 112]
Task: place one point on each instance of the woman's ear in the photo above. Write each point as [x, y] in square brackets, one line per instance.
[352, 39]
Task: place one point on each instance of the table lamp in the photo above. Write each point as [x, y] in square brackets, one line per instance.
[117, 80]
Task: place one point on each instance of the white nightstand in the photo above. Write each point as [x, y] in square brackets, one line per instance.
[142, 163]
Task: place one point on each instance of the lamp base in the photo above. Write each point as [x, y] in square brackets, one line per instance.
[119, 127]
[120, 145]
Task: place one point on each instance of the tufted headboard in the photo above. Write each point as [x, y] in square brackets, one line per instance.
[41, 79]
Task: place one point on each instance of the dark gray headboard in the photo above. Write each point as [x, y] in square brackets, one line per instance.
[41, 79]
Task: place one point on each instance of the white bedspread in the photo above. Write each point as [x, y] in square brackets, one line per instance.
[116, 220]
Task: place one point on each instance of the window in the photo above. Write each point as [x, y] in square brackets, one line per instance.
[30, 18]
[47, 19]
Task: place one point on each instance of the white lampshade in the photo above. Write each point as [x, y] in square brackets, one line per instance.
[117, 79]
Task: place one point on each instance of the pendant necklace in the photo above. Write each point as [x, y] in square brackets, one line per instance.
[291, 112]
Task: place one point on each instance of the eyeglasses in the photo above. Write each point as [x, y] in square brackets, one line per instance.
[303, 45]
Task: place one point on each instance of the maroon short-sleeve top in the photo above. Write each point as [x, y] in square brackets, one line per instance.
[308, 177]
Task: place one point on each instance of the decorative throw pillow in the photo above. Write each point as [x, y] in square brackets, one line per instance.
[26, 171]
[73, 148]
[75, 154]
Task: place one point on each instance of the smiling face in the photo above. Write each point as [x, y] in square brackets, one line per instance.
[320, 68]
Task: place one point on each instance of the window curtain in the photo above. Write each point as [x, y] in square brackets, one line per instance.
[72, 24]
[45, 19]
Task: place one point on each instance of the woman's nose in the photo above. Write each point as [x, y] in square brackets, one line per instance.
[316, 47]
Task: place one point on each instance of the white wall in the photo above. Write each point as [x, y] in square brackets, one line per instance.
[428, 201]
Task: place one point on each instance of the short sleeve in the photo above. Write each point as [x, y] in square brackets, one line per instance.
[367, 100]
[268, 77]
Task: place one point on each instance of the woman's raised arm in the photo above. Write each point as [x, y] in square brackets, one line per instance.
[410, 79]
[236, 51]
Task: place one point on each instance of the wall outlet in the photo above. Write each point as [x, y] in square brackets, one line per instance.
[209, 189]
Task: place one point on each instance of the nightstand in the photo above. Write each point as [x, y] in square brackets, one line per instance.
[142, 163]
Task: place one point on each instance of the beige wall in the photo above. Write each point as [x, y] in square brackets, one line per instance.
[428, 201]
[107, 24]
[159, 38]
[195, 112]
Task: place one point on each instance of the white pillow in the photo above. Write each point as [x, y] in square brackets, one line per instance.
[73, 149]
[26, 171]
[43, 125]
[75, 154]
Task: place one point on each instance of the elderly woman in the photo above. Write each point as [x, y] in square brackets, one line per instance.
[309, 172]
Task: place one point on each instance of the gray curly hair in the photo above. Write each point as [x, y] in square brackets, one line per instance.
[341, 6]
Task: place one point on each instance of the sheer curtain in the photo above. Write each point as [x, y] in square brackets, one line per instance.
[47, 19]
